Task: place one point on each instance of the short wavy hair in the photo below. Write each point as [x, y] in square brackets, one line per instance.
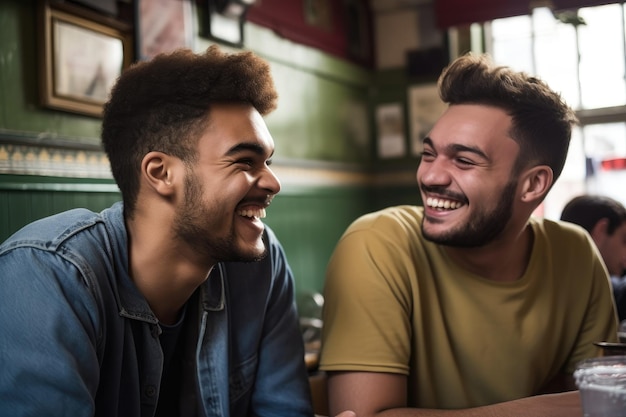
[587, 210]
[164, 105]
[541, 120]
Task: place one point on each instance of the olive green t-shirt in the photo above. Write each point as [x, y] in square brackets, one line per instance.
[396, 303]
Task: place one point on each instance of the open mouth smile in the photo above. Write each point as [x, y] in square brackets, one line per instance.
[443, 204]
[252, 213]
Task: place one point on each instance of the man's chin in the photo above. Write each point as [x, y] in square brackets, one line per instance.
[253, 254]
[448, 239]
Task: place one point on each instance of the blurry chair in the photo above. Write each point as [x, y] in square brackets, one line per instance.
[310, 310]
[311, 329]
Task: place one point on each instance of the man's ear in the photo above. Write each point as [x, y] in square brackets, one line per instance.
[536, 183]
[600, 229]
[159, 171]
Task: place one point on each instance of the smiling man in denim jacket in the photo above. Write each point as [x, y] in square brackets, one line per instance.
[178, 301]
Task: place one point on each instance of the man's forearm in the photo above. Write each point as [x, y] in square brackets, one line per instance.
[550, 405]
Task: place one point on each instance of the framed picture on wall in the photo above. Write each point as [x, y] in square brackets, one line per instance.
[390, 127]
[223, 21]
[163, 26]
[81, 58]
[425, 107]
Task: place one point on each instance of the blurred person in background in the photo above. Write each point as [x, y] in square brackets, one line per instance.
[605, 220]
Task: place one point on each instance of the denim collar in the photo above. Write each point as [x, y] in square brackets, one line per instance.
[132, 304]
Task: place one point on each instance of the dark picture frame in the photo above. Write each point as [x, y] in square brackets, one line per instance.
[81, 58]
[359, 31]
[221, 27]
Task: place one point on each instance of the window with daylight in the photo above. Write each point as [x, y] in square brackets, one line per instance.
[582, 54]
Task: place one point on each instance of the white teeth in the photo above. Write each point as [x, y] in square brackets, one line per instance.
[441, 203]
[260, 213]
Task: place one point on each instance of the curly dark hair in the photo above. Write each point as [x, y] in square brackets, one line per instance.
[164, 105]
[541, 120]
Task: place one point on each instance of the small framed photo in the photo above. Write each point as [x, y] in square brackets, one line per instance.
[223, 26]
[390, 125]
[425, 107]
[81, 58]
[163, 26]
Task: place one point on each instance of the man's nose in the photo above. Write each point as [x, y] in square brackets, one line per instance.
[433, 173]
[269, 181]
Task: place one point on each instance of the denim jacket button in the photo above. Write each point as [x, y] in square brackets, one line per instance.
[150, 391]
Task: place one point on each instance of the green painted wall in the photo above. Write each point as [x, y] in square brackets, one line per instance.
[308, 220]
[324, 116]
[19, 109]
[26, 198]
[323, 111]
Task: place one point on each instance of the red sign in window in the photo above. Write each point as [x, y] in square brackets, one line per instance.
[613, 164]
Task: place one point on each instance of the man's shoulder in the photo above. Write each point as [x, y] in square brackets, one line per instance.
[394, 216]
[53, 227]
[397, 226]
[78, 244]
[566, 241]
[558, 230]
[61, 230]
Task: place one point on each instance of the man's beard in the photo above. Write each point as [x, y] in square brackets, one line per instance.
[196, 224]
[484, 226]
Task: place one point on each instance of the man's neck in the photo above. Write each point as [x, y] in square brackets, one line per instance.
[503, 260]
[165, 271]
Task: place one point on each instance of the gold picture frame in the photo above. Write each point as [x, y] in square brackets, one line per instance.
[82, 55]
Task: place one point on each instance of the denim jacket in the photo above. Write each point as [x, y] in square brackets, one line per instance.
[77, 338]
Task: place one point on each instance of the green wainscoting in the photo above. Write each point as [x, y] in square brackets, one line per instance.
[308, 220]
[26, 198]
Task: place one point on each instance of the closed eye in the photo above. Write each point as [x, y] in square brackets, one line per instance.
[248, 162]
[465, 161]
[428, 155]
[250, 154]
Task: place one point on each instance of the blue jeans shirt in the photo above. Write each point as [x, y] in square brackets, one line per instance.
[77, 338]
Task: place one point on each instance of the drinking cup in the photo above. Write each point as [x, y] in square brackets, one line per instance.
[602, 385]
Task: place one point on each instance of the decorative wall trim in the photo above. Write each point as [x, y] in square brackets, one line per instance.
[56, 186]
[38, 160]
[28, 154]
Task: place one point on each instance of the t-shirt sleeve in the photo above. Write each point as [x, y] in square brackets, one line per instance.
[600, 318]
[367, 325]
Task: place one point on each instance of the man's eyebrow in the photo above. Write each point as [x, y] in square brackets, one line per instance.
[456, 147]
[462, 148]
[248, 146]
